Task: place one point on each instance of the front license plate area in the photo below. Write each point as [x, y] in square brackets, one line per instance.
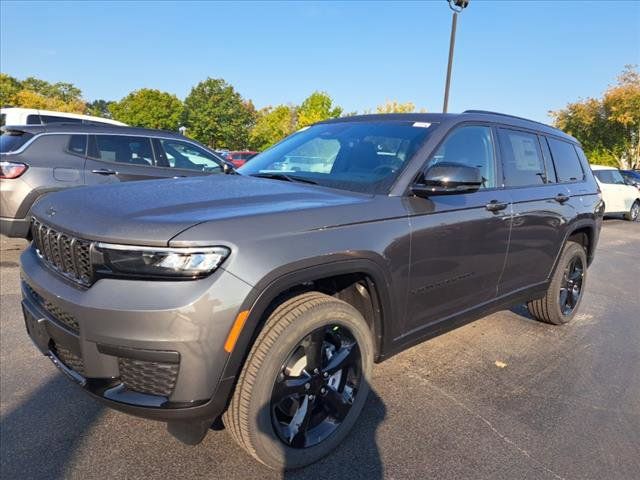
[36, 329]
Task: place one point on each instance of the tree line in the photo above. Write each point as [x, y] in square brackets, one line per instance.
[213, 113]
[608, 127]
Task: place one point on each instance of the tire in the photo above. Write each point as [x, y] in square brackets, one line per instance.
[634, 212]
[553, 307]
[250, 416]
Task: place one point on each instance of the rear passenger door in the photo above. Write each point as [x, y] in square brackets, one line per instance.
[121, 158]
[541, 208]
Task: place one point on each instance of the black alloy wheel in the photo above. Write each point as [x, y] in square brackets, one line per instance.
[571, 287]
[316, 386]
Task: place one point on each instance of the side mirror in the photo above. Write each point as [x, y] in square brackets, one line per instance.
[228, 168]
[448, 178]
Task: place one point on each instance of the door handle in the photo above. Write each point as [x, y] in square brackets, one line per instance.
[495, 206]
[561, 198]
[104, 171]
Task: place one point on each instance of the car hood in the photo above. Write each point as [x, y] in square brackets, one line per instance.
[152, 212]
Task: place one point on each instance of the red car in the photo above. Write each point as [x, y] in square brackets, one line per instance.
[239, 158]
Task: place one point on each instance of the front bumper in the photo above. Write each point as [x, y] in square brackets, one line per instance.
[151, 348]
[15, 227]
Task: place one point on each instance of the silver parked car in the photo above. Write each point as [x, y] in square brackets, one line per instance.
[38, 159]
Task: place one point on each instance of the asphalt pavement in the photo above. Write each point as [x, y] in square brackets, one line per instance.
[505, 397]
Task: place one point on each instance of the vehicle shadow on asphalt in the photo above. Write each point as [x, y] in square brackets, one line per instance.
[522, 311]
[358, 455]
[40, 437]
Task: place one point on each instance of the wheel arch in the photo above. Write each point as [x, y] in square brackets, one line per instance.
[584, 232]
[303, 276]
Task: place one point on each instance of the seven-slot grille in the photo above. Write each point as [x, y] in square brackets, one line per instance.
[64, 253]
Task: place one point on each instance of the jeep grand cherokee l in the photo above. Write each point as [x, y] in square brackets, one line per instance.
[188, 300]
[39, 159]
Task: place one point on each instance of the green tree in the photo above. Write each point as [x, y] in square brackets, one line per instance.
[99, 108]
[316, 107]
[607, 127]
[149, 108]
[9, 87]
[35, 93]
[272, 125]
[64, 91]
[217, 115]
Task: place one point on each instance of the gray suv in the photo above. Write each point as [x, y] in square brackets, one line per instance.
[39, 159]
[263, 299]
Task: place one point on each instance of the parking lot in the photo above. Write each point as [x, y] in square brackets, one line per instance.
[504, 397]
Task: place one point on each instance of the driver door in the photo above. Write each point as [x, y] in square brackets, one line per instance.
[459, 241]
[185, 159]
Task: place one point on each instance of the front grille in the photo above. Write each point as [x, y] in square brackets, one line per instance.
[58, 314]
[65, 254]
[70, 359]
[153, 378]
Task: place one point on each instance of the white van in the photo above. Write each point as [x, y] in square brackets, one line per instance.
[619, 197]
[31, 116]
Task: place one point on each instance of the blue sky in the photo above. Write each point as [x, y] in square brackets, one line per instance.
[519, 57]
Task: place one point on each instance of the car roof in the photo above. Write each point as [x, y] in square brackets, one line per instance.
[91, 128]
[602, 167]
[467, 115]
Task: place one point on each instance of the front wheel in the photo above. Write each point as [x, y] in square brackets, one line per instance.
[564, 294]
[634, 212]
[304, 383]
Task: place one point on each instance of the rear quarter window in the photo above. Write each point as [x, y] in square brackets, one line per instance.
[566, 160]
[54, 119]
[10, 142]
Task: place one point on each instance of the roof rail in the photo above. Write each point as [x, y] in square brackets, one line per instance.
[506, 115]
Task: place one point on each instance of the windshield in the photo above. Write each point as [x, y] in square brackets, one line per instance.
[10, 142]
[358, 156]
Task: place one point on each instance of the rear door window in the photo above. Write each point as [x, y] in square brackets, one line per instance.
[522, 161]
[566, 161]
[78, 144]
[612, 177]
[124, 149]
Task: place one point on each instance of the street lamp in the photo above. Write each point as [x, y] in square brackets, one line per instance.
[457, 6]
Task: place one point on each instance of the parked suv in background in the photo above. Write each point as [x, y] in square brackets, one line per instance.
[619, 197]
[35, 160]
[184, 300]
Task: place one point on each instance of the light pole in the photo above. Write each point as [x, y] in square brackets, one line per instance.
[457, 6]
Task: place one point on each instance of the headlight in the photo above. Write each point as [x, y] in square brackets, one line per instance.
[168, 263]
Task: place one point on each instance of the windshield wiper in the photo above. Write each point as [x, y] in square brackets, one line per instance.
[284, 176]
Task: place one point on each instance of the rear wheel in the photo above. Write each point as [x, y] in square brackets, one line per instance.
[634, 212]
[304, 383]
[564, 294]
